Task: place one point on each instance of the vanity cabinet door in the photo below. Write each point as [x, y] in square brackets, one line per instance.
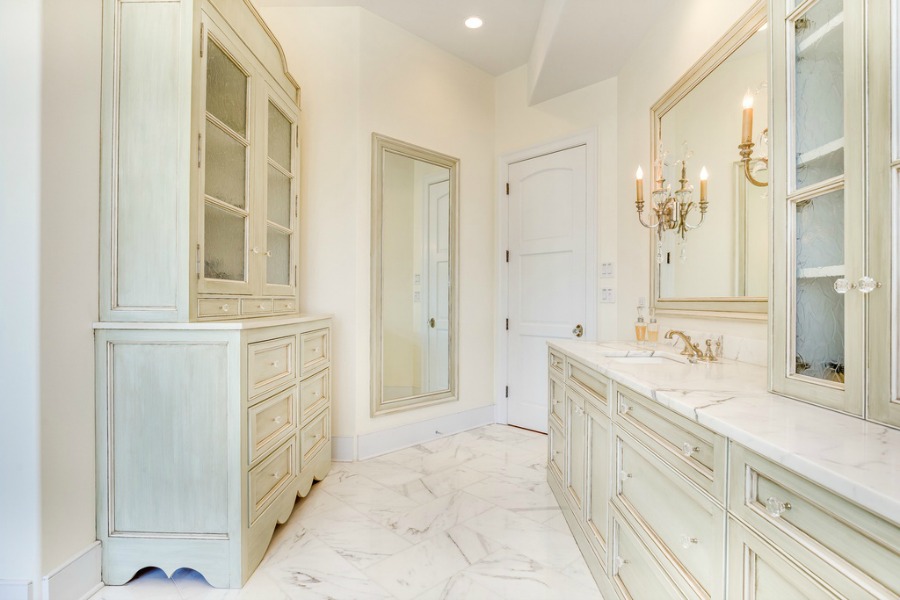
[598, 479]
[576, 421]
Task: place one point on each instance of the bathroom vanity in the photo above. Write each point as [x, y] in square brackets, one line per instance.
[683, 480]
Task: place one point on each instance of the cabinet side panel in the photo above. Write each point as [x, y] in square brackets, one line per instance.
[167, 406]
[148, 148]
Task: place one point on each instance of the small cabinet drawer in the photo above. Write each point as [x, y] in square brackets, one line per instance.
[314, 350]
[759, 570]
[314, 395]
[218, 307]
[557, 361]
[556, 452]
[635, 573]
[797, 514]
[270, 477]
[685, 525]
[256, 306]
[314, 436]
[557, 395]
[690, 448]
[589, 380]
[282, 305]
[270, 363]
[269, 421]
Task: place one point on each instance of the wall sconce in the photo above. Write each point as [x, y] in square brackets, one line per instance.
[746, 145]
[671, 210]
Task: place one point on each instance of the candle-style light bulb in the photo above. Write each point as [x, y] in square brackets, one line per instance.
[639, 183]
[747, 129]
[704, 178]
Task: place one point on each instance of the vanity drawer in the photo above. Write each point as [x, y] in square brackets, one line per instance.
[314, 350]
[557, 361]
[695, 451]
[314, 394]
[270, 420]
[218, 307]
[684, 526]
[556, 452]
[635, 573]
[270, 477]
[256, 306]
[285, 305]
[588, 379]
[798, 514]
[314, 436]
[557, 395]
[270, 363]
[759, 570]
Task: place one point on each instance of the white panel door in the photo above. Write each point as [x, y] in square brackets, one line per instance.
[438, 286]
[547, 273]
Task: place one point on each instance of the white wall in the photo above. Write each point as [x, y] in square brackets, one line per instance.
[671, 46]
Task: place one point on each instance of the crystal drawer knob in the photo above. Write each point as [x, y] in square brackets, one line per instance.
[278, 419]
[623, 476]
[689, 450]
[276, 475]
[274, 363]
[842, 286]
[260, 306]
[624, 408]
[224, 308]
[866, 284]
[618, 563]
[688, 541]
[776, 507]
[255, 251]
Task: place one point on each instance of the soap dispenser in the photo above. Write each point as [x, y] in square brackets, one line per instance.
[652, 328]
[640, 326]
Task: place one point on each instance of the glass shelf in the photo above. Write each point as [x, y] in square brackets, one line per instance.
[824, 35]
[820, 272]
[823, 152]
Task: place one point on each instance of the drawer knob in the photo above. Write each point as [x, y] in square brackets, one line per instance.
[688, 541]
[624, 408]
[276, 475]
[689, 450]
[255, 250]
[776, 507]
[260, 306]
[317, 436]
[278, 419]
[274, 363]
[618, 563]
[623, 476]
[290, 306]
[315, 350]
[224, 308]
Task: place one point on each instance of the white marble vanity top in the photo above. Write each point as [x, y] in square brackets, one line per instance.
[854, 458]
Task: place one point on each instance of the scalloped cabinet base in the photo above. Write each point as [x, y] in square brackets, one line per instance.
[206, 436]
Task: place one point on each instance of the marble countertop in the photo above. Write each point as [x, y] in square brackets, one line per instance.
[854, 458]
[246, 323]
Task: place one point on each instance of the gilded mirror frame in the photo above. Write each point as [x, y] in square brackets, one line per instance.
[745, 307]
[379, 406]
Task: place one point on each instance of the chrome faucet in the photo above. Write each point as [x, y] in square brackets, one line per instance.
[691, 350]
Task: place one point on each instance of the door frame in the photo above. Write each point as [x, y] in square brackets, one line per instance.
[589, 138]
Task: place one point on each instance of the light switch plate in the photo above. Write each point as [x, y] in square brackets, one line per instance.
[607, 295]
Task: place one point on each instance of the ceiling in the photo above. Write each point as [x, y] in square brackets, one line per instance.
[567, 44]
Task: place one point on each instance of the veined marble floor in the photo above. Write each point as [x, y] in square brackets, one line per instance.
[469, 516]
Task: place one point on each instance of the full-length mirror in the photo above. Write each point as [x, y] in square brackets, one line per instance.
[722, 264]
[414, 248]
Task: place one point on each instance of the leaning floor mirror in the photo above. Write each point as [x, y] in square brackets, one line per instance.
[414, 283]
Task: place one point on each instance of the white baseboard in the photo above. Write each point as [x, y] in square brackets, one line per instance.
[13, 589]
[342, 449]
[76, 579]
[381, 442]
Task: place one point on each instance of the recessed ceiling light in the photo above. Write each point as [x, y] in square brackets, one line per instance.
[474, 22]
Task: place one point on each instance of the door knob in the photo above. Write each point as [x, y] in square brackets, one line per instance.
[578, 331]
[431, 322]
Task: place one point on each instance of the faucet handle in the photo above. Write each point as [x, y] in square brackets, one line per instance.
[709, 356]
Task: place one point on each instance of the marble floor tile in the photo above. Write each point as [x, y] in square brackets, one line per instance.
[468, 517]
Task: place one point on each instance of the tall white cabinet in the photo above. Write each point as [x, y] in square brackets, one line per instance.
[213, 391]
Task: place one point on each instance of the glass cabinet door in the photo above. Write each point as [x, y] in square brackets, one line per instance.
[819, 318]
[281, 199]
[225, 176]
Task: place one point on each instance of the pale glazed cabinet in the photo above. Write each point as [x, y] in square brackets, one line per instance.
[200, 158]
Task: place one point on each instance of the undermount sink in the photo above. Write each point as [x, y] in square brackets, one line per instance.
[645, 360]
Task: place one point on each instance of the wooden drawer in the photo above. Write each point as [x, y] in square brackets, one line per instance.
[315, 436]
[256, 306]
[218, 307]
[557, 394]
[270, 363]
[271, 477]
[269, 421]
[285, 305]
[557, 361]
[576, 454]
[797, 514]
[589, 380]
[314, 350]
[695, 451]
[683, 526]
[635, 573]
[757, 570]
[556, 452]
[314, 394]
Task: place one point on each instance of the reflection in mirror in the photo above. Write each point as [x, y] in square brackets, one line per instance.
[724, 264]
[413, 273]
